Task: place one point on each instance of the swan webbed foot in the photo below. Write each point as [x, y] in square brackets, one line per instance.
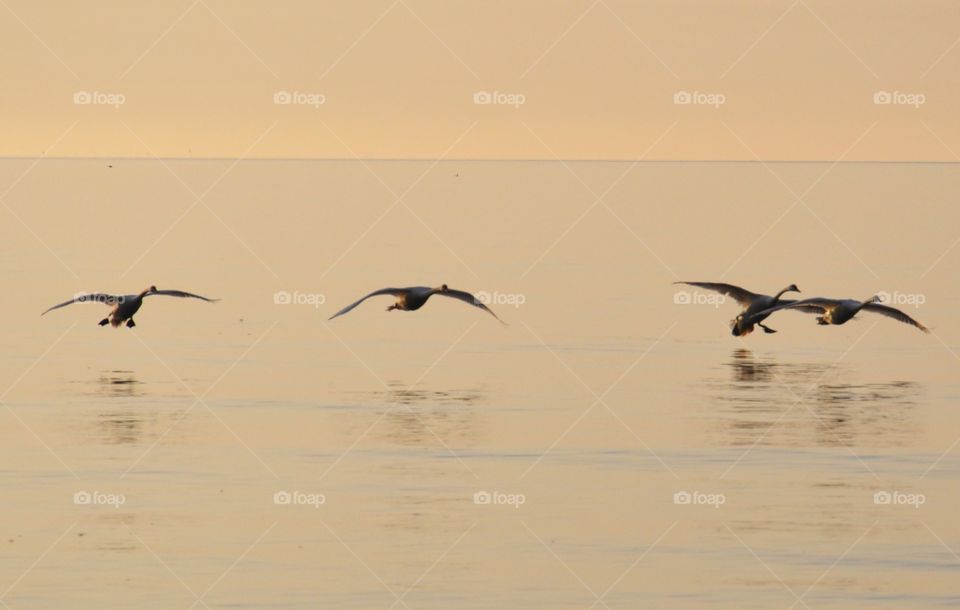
[131, 323]
[766, 329]
[104, 321]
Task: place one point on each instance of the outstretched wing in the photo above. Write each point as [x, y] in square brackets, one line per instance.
[814, 305]
[181, 294]
[466, 297]
[896, 314]
[805, 305]
[394, 291]
[740, 295]
[106, 299]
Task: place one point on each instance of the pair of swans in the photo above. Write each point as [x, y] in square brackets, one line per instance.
[758, 307]
[407, 299]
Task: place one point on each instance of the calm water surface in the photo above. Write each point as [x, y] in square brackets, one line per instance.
[612, 447]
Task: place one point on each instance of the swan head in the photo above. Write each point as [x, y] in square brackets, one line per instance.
[149, 290]
[874, 299]
[443, 288]
[793, 288]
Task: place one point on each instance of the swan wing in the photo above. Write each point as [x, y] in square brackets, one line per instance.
[181, 294]
[740, 295]
[468, 298]
[393, 291]
[801, 305]
[815, 305]
[896, 314]
[106, 299]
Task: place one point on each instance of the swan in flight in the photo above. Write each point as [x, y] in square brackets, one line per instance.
[410, 299]
[839, 311]
[756, 307]
[124, 306]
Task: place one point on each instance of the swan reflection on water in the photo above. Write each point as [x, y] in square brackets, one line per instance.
[402, 394]
[774, 403]
[422, 416]
[118, 423]
[120, 412]
[113, 384]
[747, 368]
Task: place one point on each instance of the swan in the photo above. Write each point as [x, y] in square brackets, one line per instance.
[839, 311]
[124, 306]
[410, 299]
[754, 305]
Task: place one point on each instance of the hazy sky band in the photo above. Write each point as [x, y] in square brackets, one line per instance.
[534, 79]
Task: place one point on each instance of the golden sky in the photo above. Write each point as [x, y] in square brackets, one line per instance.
[541, 79]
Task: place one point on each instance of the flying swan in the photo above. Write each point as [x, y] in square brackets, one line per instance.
[756, 307]
[410, 299]
[124, 306]
[839, 311]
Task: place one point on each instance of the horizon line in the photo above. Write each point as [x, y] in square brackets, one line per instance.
[470, 159]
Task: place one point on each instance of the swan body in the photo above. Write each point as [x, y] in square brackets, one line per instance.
[413, 298]
[840, 311]
[125, 306]
[756, 307]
